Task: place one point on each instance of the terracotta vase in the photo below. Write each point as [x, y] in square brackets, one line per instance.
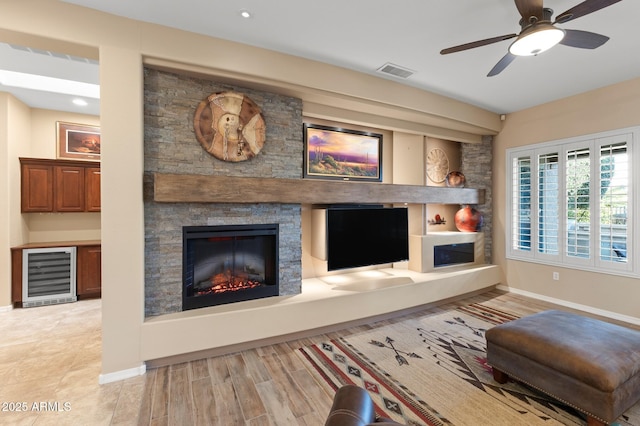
[468, 219]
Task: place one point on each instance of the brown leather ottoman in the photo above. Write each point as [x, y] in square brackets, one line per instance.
[590, 365]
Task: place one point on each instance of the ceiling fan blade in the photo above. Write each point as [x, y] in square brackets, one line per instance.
[584, 8]
[475, 44]
[529, 8]
[502, 64]
[583, 39]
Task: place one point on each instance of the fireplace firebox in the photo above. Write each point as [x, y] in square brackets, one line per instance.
[227, 264]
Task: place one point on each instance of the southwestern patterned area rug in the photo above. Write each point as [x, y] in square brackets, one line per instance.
[432, 371]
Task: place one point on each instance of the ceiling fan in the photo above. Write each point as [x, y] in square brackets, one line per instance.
[538, 33]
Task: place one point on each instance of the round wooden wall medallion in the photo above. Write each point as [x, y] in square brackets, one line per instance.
[230, 126]
[437, 165]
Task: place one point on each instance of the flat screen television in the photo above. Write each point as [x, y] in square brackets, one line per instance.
[364, 236]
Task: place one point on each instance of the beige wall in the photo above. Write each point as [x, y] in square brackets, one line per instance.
[328, 92]
[15, 135]
[5, 208]
[609, 108]
[408, 169]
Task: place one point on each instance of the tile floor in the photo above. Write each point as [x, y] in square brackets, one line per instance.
[50, 361]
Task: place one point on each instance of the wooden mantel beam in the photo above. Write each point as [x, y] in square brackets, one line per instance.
[176, 188]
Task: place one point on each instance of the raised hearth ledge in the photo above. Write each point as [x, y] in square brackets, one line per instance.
[176, 188]
[321, 304]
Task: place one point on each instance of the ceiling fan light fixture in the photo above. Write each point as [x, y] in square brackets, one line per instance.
[536, 39]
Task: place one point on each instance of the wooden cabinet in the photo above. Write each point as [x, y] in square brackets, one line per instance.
[92, 189]
[88, 264]
[89, 278]
[16, 276]
[37, 188]
[69, 189]
[59, 186]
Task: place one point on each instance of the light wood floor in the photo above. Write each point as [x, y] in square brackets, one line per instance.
[52, 355]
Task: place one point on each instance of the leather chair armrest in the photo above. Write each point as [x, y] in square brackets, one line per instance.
[352, 406]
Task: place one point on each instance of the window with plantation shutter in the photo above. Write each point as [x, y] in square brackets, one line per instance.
[578, 186]
[521, 207]
[570, 203]
[548, 214]
[613, 202]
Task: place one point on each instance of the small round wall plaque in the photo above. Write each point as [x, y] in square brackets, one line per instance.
[437, 165]
[230, 126]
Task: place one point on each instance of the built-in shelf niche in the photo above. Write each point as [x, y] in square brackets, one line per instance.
[421, 248]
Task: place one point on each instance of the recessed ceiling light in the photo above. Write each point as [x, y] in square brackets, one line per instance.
[245, 13]
[80, 102]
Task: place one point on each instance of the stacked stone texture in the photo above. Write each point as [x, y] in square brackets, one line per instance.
[476, 162]
[171, 147]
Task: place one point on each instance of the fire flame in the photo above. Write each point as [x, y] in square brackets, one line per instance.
[227, 281]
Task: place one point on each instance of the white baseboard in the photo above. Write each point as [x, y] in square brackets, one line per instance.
[122, 374]
[6, 308]
[590, 309]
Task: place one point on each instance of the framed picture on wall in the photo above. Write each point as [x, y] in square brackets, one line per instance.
[336, 153]
[78, 141]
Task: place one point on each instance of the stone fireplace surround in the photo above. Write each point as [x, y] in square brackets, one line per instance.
[171, 147]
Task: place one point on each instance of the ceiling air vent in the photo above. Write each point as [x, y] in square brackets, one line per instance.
[395, 70]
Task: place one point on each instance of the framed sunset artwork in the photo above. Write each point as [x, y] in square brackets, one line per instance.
[336, 153]
[78, 141]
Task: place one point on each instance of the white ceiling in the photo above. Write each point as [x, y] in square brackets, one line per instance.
[363, 35]
[16, 58]
[27, 60]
